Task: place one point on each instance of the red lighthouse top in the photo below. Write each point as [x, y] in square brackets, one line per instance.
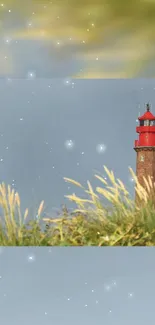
[146, 129]
[147, 115]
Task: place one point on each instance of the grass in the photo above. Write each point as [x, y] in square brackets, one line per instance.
[122, 223]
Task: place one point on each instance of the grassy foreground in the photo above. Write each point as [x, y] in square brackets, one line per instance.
[123, 223]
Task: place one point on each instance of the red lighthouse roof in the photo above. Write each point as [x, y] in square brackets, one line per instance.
[147, 116]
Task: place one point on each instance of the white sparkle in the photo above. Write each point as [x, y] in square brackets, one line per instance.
[21, 119]
[31, 258]
[31, 75]
[130, 295]
[100, 148]
[69, 144]
[29, 24]
[9, 80]
[131, 179]
[67, 82]
[107, 287]
[7, 40]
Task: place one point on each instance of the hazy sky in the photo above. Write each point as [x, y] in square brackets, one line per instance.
[66, 286]
[39, 117]
[93, 40]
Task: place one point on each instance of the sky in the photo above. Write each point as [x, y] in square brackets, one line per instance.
[65, 286]
[56, 128]
[95, 39]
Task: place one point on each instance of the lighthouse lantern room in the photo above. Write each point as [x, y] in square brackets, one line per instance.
[146, 129]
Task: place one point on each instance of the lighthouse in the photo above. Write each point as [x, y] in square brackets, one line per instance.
[145, 147]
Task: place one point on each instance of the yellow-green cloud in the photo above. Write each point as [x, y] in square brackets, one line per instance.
[113, 30]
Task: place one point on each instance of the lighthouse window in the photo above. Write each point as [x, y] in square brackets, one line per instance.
[141, 123]
[152, 123]
[146, 123]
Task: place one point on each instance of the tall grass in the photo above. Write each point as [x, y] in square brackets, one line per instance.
[123, 222]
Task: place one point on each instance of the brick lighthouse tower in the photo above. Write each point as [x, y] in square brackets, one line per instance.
[145, 147]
